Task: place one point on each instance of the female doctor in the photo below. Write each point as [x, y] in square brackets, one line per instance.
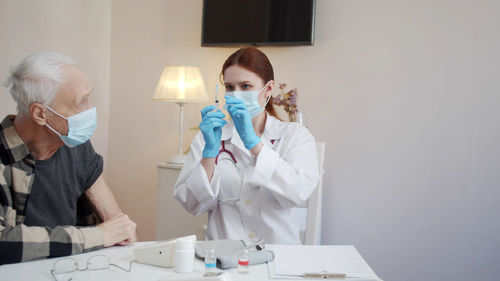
[250, 172]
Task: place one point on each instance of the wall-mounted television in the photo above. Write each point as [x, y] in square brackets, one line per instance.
[258, 22]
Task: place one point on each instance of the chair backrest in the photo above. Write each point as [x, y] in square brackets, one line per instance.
[311, 228]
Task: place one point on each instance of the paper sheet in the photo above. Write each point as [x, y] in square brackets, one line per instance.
[293, 260]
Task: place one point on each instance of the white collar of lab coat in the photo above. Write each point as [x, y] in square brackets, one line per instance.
[272, 131]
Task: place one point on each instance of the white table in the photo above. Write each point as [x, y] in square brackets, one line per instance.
[40, 270]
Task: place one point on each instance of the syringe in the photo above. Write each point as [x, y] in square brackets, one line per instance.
[217, 96]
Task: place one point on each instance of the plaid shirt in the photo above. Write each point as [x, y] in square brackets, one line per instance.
[19, 242]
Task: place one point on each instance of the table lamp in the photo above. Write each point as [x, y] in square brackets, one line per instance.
[181, 84]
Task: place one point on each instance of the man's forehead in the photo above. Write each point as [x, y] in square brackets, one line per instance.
[76, 85]
[74, 77]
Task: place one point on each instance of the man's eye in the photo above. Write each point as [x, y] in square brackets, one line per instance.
[229, 87]
[246, 86]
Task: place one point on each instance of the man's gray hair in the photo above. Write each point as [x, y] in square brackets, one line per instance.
[37, 78]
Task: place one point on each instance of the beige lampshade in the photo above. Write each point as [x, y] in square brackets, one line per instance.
[181, 84]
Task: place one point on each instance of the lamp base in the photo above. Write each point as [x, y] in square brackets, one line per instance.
[177, 159]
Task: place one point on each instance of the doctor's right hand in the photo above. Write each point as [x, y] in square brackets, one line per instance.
[211, 129]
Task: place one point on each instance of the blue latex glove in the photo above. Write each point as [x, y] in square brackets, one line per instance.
[211, 129]
[242, 121]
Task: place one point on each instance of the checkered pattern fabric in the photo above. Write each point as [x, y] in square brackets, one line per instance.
[19, 242]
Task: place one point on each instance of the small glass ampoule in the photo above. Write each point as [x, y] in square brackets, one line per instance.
[243, 262]
[210, 262]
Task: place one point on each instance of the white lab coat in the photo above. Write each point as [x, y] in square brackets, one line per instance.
[281, 177]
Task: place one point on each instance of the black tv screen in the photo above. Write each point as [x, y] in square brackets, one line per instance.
[258, 22]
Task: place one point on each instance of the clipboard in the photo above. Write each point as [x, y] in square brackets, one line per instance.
[319, 262]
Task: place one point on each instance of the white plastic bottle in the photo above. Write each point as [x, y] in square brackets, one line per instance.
[243, 262]
[184, 256]
[210, 262]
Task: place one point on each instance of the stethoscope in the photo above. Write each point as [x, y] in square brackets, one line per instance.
[233, 160]
[219, 159]
[223, 149]
[231, 201]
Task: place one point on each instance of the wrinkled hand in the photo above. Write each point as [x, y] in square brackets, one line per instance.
[127, 242]
[242, 121]
[211, 129]
[118, 230]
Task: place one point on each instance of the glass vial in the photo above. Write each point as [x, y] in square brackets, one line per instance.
[210, 262]
[243, 262]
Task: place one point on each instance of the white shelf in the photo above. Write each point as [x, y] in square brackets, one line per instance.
[167, 165]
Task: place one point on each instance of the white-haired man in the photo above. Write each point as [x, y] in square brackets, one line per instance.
[51, 183]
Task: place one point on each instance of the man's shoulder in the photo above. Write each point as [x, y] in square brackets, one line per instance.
[7, 121]
[82, 155]
[12, 147]
[6, 157]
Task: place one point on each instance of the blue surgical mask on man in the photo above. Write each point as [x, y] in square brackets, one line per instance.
[251, 99]
[81, 126]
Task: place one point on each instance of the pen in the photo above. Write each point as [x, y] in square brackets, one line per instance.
[324, 275]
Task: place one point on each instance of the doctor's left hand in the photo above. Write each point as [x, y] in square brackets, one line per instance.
[211, 129]
[242, 121]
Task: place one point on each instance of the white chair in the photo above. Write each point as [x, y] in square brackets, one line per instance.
[310, 215]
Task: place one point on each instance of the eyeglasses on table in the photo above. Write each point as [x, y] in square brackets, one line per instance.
[97, 262]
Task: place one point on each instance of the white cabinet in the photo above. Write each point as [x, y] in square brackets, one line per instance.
[172, 220]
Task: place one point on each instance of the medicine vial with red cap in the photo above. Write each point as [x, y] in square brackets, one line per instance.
[243, 265]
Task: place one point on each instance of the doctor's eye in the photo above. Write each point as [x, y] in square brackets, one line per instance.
[246, 86]
[229, 88]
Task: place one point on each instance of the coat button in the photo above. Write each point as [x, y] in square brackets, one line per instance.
[248, 202]
[251, 235]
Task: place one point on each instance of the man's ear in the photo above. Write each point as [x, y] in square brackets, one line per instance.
[37, 113]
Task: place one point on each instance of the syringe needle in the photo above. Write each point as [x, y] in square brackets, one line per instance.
[217, 96]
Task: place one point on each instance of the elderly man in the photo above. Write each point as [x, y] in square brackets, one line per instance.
[51, 182]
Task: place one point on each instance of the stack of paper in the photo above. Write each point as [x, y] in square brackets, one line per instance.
[292, 261]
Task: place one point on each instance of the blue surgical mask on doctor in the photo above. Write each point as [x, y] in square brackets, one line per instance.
[81, 126]
[251, 99]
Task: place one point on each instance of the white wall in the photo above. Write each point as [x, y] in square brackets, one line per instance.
[80, 29]
[413, 157]
[147, 36]
[404, 93]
